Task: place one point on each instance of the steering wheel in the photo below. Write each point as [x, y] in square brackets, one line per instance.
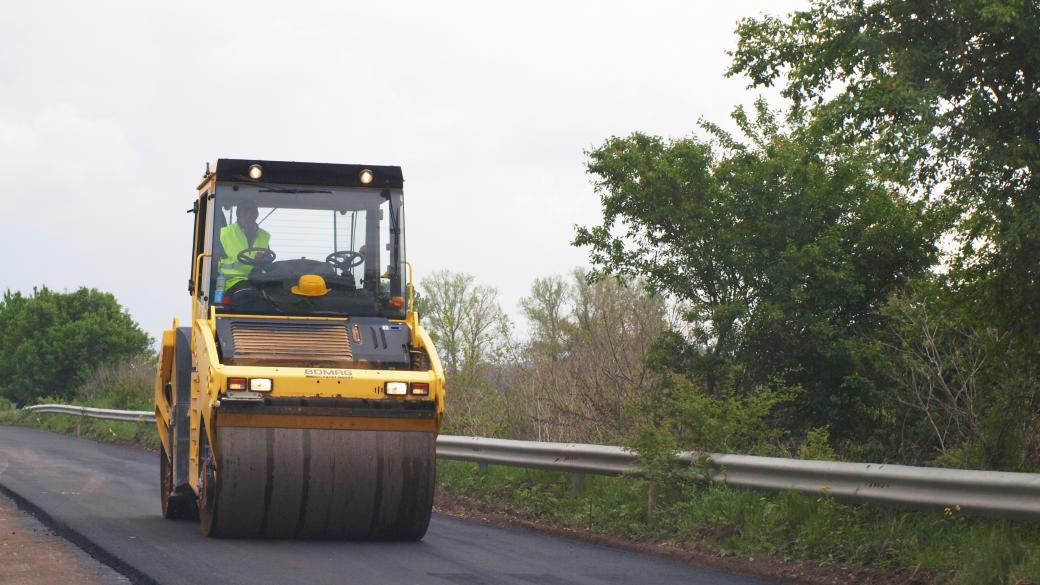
[345, 259]
[260, 257]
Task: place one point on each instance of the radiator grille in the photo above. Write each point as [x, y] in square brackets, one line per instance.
[302, 343]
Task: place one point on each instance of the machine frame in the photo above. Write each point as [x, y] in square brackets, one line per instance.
[193, 400]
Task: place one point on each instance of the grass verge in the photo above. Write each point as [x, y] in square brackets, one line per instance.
[124, 433]
[950, 548]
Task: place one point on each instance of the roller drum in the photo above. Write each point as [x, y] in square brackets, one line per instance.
[323, 483]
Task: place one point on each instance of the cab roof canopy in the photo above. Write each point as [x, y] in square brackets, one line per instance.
[306, 173]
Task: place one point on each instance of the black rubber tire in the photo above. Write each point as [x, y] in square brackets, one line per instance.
[174, 506]
[208, 486]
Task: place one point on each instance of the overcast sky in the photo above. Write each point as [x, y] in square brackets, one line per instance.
[110, 110]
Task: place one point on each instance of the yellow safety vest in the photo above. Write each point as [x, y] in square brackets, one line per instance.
[234, 240]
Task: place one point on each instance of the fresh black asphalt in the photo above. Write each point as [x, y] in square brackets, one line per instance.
[106, 498]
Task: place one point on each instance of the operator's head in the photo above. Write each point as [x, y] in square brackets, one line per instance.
[247, 214]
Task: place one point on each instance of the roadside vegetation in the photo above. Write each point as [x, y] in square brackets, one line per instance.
[856, 265]
[54, 342]
[78, 347]
[850, 275]
[124, 385]
[599, 367]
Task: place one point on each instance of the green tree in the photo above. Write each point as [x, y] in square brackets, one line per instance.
[783, 250]
[51, 342]
[947, 95]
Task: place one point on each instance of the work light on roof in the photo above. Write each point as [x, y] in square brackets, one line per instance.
[255, 172]
[366, 177]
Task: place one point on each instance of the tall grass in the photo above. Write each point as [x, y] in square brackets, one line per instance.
[126, 385]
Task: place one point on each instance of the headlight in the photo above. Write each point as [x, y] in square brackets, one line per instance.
[366, 177]
[260, 384]
[396, 388]
[255, 172]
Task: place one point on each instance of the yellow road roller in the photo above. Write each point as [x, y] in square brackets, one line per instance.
[304, 399]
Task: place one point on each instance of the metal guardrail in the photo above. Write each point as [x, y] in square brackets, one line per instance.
[572, 457]
[103, 413]
[987, 492]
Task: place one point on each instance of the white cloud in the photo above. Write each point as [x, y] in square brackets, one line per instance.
[61, 143]
[109, 111]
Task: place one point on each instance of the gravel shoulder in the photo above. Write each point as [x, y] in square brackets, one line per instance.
[31, 554]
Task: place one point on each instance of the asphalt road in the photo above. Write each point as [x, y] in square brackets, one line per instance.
[107, 497]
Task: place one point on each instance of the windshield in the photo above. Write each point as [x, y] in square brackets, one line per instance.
[321, 251]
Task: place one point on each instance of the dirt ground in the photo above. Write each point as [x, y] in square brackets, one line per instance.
[30, 554]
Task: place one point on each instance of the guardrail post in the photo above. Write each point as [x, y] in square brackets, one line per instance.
[651, 499]
[482, 467]
[589, 529]
[577, 483]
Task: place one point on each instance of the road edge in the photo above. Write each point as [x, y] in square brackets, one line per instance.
[760, 566]
[96, 551]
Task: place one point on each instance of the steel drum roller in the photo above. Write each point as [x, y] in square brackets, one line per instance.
[323, 483]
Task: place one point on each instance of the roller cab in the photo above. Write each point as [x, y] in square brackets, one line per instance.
[304, 398]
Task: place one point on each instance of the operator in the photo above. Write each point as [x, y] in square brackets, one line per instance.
[239, 236]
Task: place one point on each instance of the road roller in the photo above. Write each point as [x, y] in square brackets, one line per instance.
[303, 399]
